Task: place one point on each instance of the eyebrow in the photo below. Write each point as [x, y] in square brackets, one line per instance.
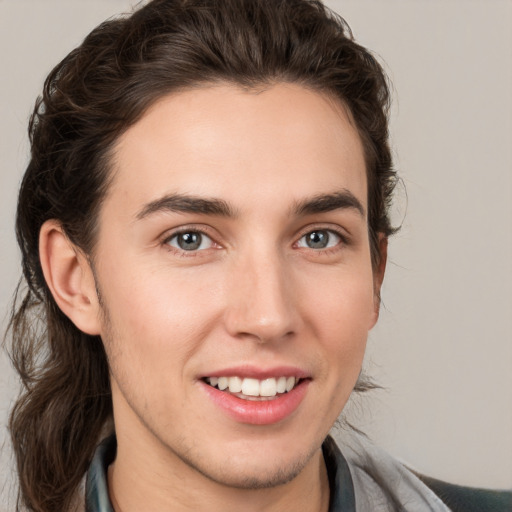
[212, 206]
[187, 204]
[322, 203]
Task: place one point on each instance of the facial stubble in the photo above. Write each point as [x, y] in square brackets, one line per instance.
[275, 477]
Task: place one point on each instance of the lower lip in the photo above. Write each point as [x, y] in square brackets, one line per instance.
[261, 412]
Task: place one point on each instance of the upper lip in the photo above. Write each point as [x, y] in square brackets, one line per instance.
[247, 371]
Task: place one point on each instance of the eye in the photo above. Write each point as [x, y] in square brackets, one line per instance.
[190, 241]
[319, 239]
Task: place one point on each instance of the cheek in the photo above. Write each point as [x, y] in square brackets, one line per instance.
[340, 304]
[157, 320]
[340, 313]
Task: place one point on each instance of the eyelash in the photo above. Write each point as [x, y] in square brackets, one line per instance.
[186, 230]
[343, 240]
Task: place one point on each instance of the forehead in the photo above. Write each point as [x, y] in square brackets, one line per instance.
[277, 144]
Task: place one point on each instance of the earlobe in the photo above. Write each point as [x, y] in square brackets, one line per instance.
[69, 277]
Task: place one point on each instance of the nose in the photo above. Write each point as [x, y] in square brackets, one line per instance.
[261, 301]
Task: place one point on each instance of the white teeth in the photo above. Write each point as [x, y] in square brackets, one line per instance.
[235, 384]
[268, 387]
[253, 387]
[281, 384]
[223, 383]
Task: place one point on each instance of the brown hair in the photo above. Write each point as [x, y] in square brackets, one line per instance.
[98, 91]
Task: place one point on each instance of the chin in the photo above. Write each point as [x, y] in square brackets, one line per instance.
[256, 478]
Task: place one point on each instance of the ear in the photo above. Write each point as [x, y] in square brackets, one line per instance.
[378, 274]
[69, 277]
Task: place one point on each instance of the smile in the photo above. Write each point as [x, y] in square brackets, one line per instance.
[263, 401]
[254, 389]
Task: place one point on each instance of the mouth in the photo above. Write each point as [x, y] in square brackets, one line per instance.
[253, 389]
[257, 396]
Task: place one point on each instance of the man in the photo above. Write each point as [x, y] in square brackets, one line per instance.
[204, 225]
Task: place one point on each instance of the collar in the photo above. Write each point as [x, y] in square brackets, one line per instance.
[96, 487]
[342, 497]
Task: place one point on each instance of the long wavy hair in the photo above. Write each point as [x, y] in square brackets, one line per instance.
[99, 90]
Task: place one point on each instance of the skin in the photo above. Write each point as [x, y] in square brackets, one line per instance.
[254, 293]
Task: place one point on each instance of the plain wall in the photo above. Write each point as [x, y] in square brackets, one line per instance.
[442, 348]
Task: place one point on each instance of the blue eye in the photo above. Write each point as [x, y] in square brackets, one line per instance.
[190, 241]
[319, 239]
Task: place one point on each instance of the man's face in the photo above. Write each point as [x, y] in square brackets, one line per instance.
[233, 251]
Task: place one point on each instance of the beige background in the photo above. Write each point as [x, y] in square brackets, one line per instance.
[443, 346]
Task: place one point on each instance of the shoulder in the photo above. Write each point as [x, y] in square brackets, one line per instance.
[383, 483]
[469, 499]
